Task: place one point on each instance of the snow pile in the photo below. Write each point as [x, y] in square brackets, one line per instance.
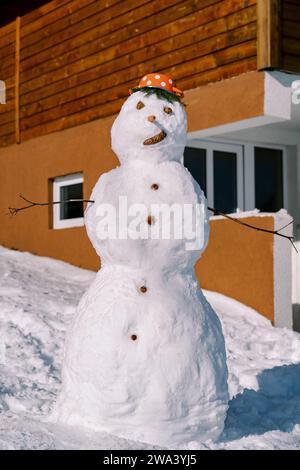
[38, 297]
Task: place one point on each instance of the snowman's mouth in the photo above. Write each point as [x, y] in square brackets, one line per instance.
[156, 138]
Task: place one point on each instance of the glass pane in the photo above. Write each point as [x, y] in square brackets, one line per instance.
[71, 210]
[195, 162]
[225, 181]
[268, 179]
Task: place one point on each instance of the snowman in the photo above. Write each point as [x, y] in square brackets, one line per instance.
[145, 356]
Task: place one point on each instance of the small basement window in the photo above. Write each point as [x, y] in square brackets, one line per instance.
[69, 214]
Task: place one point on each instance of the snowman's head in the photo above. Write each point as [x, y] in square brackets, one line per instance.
[151, 126]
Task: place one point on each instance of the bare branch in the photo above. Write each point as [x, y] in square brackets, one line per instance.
[259, 229]
[15, 210]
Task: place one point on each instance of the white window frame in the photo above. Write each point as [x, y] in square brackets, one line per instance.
[59, 182]
[210, 147]
[246, 173]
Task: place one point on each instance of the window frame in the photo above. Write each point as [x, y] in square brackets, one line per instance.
[210, 147]
[58, 182]
[248, 173]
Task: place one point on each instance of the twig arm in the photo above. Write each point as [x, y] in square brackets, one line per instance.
[259, 229]
[15, 210]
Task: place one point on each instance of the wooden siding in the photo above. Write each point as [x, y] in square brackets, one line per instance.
[291, 35]
[7, 74]
[78, 58]
[278, 35]
[268, 34]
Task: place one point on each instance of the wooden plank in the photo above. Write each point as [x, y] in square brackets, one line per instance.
[17, 82]
[7, 128]
[184, 54]
[268, 34]
[228, 55]
[291, 12]
[291, 29]
[177, 42]
[124, 21]
[9, 101]
[291, 46]
[7, 140]
[46, 10]
[111, 88]
[241, 17]
[7, 112]
[7, 29]
[7, 38]
[236, 53]
[74, 120]
[116, 39]
[6, 65]
[219, 73]
[8, 72]
[7, 50]
[82, 18]
[7, 56]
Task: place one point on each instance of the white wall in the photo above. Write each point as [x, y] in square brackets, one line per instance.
[296, 256]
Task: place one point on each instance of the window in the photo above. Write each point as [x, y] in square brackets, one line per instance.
[69, 214]
[225, 181]
[268, 174]
[195, 161]
[218, 168]
[238, 176]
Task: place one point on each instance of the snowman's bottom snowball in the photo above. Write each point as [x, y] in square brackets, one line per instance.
[145, 366]
[180, 433]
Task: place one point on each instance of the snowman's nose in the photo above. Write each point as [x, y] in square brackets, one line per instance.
[151, 118]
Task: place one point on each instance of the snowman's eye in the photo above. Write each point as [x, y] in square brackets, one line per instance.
[140, 105]
[168, 110]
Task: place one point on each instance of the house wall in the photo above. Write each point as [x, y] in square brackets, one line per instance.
[78, 58]
[296, 256]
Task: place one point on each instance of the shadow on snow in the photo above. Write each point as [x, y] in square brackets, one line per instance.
[274, 406]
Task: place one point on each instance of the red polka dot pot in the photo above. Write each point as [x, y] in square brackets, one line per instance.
[159, 80]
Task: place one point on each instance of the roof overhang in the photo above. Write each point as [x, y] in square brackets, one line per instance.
[240, 106]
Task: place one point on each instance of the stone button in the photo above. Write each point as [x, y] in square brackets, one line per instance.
[133, 337]
[150, 220]
[154, 186]
[143, 289]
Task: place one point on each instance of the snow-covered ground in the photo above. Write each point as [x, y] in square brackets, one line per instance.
[38, 297]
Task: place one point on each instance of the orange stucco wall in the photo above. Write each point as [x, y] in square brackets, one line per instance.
[227, 101]
[235, 259]
[239, 263]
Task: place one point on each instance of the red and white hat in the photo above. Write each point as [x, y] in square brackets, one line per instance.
[159, 80]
